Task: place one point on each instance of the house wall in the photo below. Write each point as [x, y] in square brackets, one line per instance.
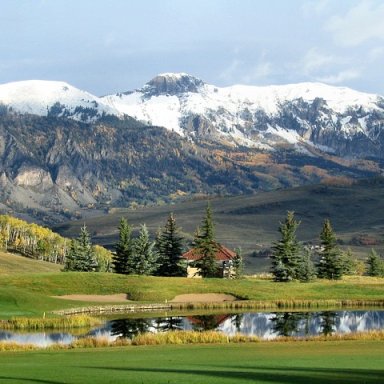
[193, 272]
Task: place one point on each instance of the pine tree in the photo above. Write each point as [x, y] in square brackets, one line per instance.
[237, 264]
[206, 246]
[81, 255]
[375, 265]
[145, 258]
[70, 259]
[305, 269]
[286, 252]
[169, 245]
[87, 260]
[123, 258]
[330, 265]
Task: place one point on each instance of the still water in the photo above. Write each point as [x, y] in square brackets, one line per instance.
[262, 324]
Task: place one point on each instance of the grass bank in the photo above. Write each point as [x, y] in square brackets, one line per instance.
[296, 362]
[31, 294]
[34, 323]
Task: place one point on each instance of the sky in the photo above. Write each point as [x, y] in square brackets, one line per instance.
[110, 46]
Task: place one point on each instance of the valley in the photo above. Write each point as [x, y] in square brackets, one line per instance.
[251, 221]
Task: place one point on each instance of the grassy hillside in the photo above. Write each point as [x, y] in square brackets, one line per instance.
[251, 221]
[11, 263]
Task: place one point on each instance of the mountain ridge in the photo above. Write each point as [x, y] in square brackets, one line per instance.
[65, 153]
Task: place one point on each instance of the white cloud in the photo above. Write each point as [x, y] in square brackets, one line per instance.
[245, 72]
[317, 7]
[327, 68]
[262, 71]
[341, 77]
[228, 73]
[315, 60]
[361, 23]
[376, 53]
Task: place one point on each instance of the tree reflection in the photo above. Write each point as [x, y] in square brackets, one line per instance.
[128, 328]
[236, 320]
[165, 324]
[287, 323]
[207, 322]
[328, 322]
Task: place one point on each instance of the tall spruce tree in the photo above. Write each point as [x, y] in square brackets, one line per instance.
[375, 264]
[206, 246]
[305, 269]
[169, 245]
[286, 252]
[330, 265]
[145, 258]
[81, 255]
[70, 258]
[124, 254]
[237, 264]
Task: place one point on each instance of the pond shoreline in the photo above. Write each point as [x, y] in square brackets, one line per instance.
[234, 305]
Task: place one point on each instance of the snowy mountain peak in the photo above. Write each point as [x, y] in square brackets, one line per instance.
[172, 84]
[300, 115]
[53, 98]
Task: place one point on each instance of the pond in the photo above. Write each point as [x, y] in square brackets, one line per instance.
[266, 325]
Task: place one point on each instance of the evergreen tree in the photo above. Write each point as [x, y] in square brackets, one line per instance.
[81, 255]
[286, 252]
[70, 259]
[145, 258]
[123, 258]
[330, 265]
[375, 265]
[350, 265]
[237, 264]
[305, 268]
[169, 245]
[206, 246]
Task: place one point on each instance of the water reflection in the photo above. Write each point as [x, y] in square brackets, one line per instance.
[129, 328]
[264, 325]
[328, 322]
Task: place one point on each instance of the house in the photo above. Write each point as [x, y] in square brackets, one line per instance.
[223, 257]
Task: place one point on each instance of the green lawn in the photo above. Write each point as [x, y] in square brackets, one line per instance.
[270, 362]
[30, 294]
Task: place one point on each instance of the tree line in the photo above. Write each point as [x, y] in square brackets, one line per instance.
[159, 257]
[41, 243]
[293, 261]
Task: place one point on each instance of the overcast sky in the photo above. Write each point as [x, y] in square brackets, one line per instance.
[107, 46]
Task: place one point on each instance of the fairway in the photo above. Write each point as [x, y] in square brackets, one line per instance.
[269, 362]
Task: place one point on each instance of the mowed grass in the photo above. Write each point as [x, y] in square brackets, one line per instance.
[31, 294]
[291, 362]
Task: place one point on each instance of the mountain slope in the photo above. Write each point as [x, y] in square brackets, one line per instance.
[65, 153]
[335, 119]
[53, 98]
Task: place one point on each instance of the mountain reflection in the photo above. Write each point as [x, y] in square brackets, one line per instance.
[263, 324]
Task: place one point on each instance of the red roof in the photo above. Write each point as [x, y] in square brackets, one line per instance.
[222, 254]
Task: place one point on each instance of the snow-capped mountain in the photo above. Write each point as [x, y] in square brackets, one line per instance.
[53, 98]
[64, 150]
[307, 114]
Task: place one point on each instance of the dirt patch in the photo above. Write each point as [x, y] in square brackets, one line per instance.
[203, 298]
[120, 297]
